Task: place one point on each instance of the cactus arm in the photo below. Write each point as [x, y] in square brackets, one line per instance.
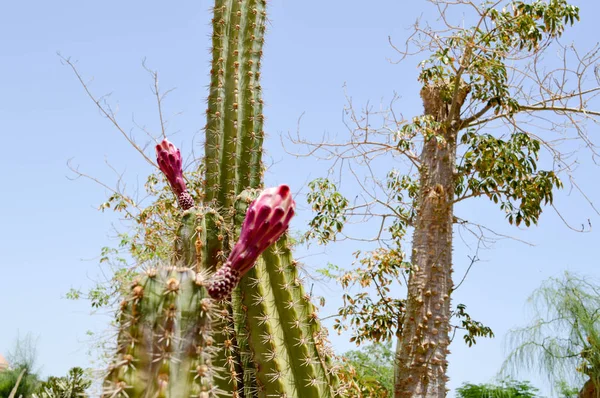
[215, 112]
[200, 240]
[196, 348]
[242, 339]
[231, 107]
[269, 352]
[166, 344]
[296, 317]
[320, 351]
[234, 130]
[250, 132]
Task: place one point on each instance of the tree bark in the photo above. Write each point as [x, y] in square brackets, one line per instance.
[588, 390]
[422, 348]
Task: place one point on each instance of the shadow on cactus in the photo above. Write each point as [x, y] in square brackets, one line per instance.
[217, 318]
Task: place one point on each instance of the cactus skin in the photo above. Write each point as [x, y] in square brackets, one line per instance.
[166, 343]
[280, 324]
[174, 341]
[234, 127]
[174, 360]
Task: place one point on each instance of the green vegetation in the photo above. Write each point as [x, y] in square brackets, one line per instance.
[505, 389]
[562, 342]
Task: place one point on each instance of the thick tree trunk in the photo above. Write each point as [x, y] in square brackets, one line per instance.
[588, 390]
[422, 348]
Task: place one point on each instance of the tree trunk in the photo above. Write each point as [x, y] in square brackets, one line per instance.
[422, 348]
[588, 390]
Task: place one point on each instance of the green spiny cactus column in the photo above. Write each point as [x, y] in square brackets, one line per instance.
[174, 341]
[277, 332]
[279, 324]
[234, 127]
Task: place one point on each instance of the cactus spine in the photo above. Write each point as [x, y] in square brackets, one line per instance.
[174, 341]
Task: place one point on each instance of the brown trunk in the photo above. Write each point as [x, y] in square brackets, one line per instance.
[588, 390]
[422, 348]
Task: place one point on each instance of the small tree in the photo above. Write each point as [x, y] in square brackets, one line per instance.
[506, 389]
[370, 371]
[22, 360]
[73, 385]
[563, 340]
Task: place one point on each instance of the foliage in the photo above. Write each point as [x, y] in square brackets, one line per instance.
[562, 342]
[29, 382]
[474, 328]
[506, 171]
[21, 357]
[373, 317]
[73, 385]
[371, 370]
[564, 390]
[506, 389]
[329, 205]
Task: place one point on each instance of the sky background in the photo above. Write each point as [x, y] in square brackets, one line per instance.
[52, 231]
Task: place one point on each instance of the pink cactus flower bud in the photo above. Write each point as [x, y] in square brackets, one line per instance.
[266, 220]
[169, 162]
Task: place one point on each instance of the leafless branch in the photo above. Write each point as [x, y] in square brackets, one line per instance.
[106, 110]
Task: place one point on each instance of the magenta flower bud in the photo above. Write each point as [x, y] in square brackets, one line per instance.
[169, 162]
[266, 220]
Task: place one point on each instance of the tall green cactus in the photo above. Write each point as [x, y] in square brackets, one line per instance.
[175, 340]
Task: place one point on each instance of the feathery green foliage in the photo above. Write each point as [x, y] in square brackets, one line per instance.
[562, 342]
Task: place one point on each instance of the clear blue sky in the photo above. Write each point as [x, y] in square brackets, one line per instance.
[52, 232]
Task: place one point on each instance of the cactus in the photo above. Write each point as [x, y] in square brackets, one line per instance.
[221, 319]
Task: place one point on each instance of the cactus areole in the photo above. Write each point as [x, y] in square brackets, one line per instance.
[267, 219]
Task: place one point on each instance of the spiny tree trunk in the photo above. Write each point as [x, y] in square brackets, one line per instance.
[589, 390]
[423, 346]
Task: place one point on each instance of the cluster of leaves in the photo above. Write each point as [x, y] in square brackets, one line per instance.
[506, 389]
[21, 358]
[484, 51]
[423, 124]
[523, 26]
[563, 340]
[473, 328]
[371, 313]
[403, 192]
[506, 172]
[368, 372]
[330, 207]
[564, 390]
[74, 385]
